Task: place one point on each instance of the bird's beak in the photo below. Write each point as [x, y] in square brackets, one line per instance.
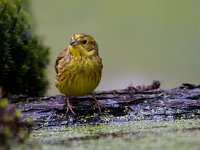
[73, 43]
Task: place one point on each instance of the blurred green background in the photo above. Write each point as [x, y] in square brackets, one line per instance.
[139, 40]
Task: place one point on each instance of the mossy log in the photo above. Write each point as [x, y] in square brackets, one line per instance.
[131, 104]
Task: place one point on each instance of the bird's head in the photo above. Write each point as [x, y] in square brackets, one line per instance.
[83, 45]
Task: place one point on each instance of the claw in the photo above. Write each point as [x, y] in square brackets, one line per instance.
[96, 103]
[69, 107]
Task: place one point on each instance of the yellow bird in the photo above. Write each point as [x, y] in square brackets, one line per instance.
[79, 68]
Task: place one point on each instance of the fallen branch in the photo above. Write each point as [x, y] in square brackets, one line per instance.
[132, 103]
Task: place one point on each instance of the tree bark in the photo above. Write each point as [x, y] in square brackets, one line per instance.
[130, 104]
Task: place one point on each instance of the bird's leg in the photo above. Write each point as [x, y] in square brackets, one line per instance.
[96, 102]
[69, 106]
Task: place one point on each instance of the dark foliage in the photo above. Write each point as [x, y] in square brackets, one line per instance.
[12, 129]
[23, 58]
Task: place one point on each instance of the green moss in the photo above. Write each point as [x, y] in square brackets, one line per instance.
[180, 134]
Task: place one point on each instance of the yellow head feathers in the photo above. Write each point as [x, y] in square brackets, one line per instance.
[83, 45]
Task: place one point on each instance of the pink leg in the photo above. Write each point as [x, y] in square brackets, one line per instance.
[69, 106]
[96, 102]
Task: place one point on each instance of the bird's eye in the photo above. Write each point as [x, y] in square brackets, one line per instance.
[84, 41]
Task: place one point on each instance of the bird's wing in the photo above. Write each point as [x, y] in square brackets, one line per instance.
[61, 59]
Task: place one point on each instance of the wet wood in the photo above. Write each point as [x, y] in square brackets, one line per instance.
[133, 103]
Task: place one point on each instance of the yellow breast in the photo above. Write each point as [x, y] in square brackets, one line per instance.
[79, 76]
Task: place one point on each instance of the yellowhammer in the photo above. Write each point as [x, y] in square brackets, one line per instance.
[78, 68]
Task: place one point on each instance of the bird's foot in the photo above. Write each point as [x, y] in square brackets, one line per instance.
[96, 103]
[70, 107]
